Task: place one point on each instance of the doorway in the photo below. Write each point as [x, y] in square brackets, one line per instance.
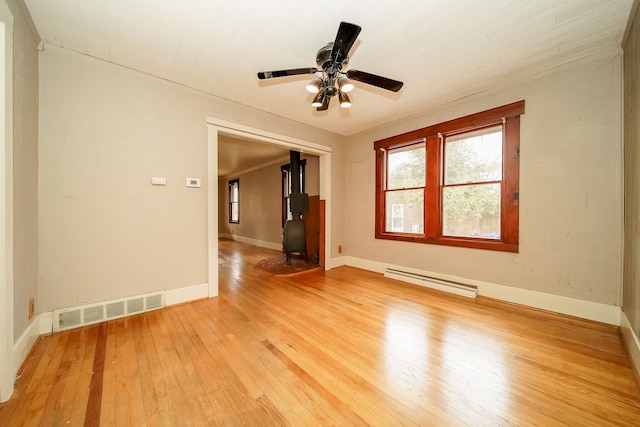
[217, 128]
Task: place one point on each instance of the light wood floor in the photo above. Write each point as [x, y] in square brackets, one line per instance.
[343, 347]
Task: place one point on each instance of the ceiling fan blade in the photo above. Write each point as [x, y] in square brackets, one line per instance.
[372, 79]
[284, 73]
[325, 103]
[346, 37]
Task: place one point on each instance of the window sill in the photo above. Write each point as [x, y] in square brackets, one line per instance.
[463, 242]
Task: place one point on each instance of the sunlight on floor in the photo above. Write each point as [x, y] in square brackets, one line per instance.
[406, 349]
[474, 369]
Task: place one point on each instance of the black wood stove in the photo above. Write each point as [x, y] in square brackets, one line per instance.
[293, 235]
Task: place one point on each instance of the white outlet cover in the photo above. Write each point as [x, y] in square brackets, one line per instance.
[157, 180]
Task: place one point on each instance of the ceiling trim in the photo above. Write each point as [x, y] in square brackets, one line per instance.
[630, 21]
[24, 11]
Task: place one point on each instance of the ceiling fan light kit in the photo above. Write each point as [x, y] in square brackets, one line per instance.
[318, 99]
[344, 84]
[315, 85]
[345, 102]
[331, 59]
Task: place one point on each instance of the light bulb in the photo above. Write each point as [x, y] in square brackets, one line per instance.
[345, 85]
[314, 86]
[317, 100]
[345, 102]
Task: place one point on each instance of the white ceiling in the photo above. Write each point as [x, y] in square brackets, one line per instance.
[442, 50]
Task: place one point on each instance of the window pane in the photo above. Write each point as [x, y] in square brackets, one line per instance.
[405, 211]
[406, 167]
[471, 211]
[474, 157]
[234, 211]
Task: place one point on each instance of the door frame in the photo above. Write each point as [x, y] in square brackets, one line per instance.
[216, 128]
[7, 370]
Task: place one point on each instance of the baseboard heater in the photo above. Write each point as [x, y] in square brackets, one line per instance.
[457, 288]
[75, 317]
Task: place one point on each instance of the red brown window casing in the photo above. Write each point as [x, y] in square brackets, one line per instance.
[508, 117]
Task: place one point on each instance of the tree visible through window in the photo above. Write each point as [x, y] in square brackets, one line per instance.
[455, 183]
[406, 170]
[234, 201]
[471, 189]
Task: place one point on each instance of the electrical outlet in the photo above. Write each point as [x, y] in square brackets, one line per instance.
[32, 308]
[339, 249]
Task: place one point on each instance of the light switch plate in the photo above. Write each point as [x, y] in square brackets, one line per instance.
[157, 180]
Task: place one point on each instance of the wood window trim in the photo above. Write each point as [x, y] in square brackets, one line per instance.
[231, 185]
[509, 116]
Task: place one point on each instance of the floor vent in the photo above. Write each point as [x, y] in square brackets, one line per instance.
[69, 319]
[74, 317]
[457, 288]
[115, 309]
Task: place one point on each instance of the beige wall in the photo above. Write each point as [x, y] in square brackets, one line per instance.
[570, 190]
[105, 231]
[260, 205]
[261, 201]
[25, 167]
[312, 175]
[631, 292]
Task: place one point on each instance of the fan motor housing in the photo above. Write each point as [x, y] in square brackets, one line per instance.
[323, 58]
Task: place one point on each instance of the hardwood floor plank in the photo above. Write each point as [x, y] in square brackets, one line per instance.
[71, 407]
[94, 403]
[40, 392]
[342, 347]
[14, 411]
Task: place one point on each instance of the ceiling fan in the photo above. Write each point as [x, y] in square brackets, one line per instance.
[331, 59]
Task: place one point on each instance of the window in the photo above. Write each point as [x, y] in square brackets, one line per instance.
[406, 172]
[286, 188]
[472, 184]
[454, 183]
[234, 201]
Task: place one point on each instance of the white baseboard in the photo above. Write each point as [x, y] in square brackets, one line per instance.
[334, 262]
[599, 312]
[24, 344]
[46, 322]
[254, 242]
[633, 343]
[186, 294]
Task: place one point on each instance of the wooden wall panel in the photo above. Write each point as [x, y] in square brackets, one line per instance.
[312, 227]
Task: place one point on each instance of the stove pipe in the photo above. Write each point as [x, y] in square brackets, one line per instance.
[296, 210]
